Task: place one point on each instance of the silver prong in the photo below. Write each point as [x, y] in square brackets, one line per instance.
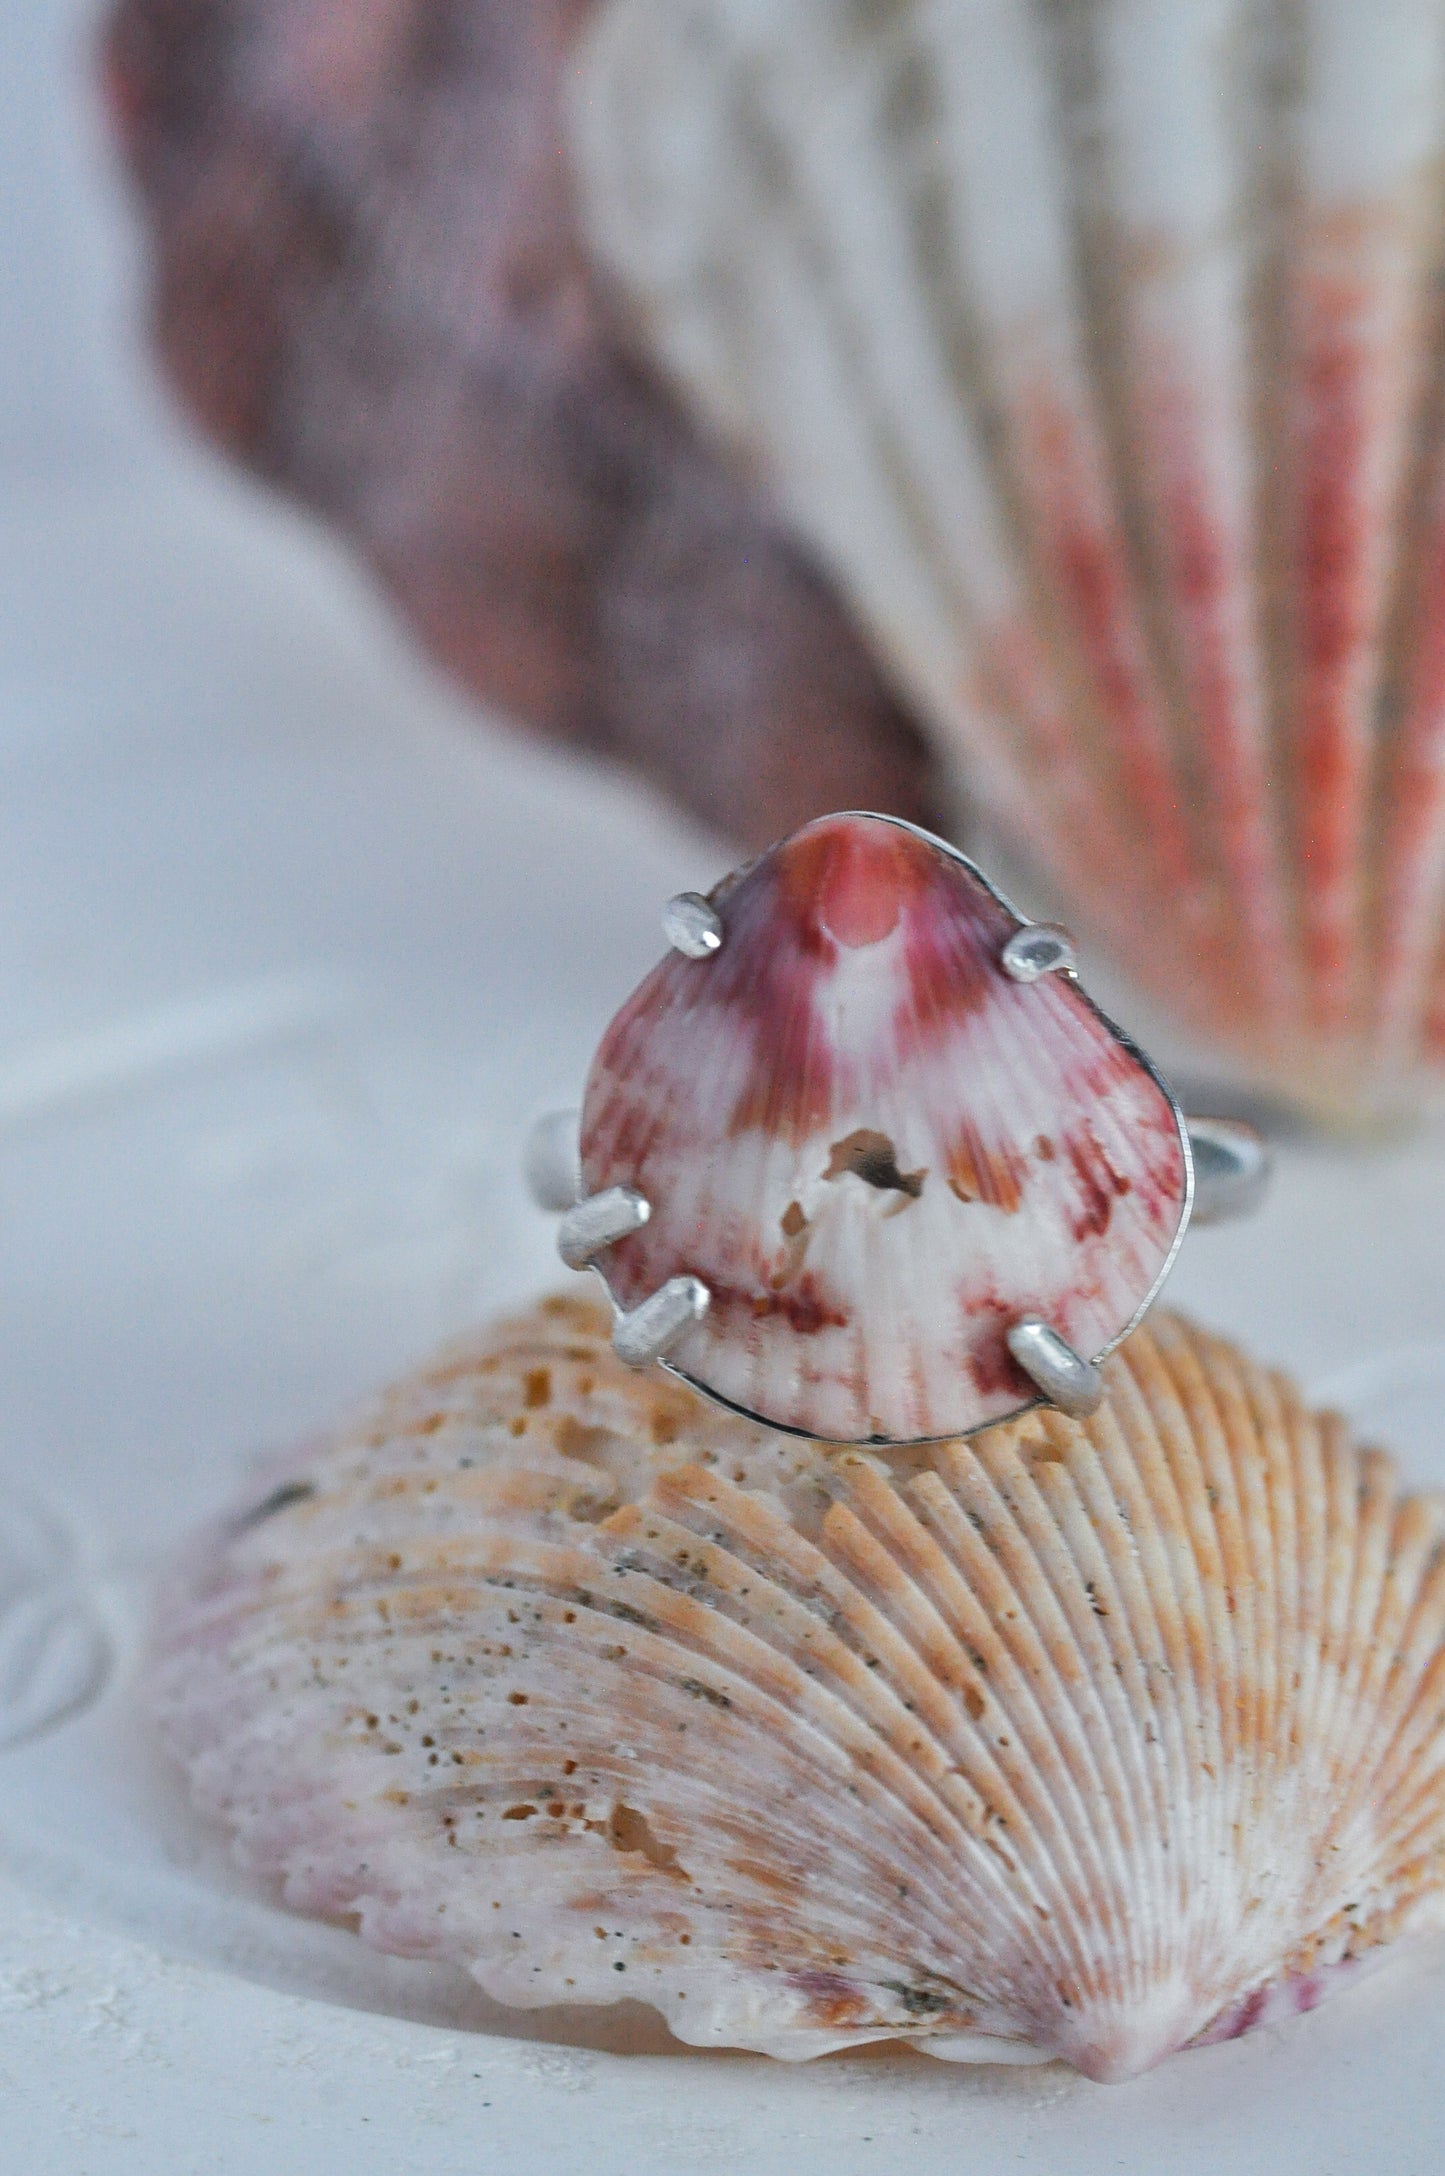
[1038, 949]
[1231, 1168]
[552, 1160]
[593, 1224]
[1071, 1383]
[692, 925]
[652, 1329]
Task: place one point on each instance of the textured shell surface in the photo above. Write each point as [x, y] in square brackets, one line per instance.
[1097, 346]
[1083, 1739]
[876, 1149]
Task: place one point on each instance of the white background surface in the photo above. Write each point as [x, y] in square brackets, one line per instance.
[291, 945]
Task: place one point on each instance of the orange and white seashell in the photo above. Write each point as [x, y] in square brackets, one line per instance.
[1085, 1739]
[876, 1148]
[1097, 347]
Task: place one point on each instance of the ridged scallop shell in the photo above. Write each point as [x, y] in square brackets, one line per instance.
[876, 1149]
[1093, 1740]
[1097, 346]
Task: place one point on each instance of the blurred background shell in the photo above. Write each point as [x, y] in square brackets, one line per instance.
[1096, 346]
[1084, 1739]
[369, 286]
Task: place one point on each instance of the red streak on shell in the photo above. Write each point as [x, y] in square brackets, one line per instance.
[850, 881]
[1353, 411]
[1100, 1185]
[807, 1309]
[1206, 544]
[978, 1172]
[1084, 546]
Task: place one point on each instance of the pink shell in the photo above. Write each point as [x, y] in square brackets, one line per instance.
[1128, 454]
[877, 1149]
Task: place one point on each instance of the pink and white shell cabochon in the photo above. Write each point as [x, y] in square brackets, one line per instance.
[875, 1147]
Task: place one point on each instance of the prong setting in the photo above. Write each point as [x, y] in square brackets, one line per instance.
[1036, 950]
[806, 919]
[650, 1331]
[1063, 1376]
[692, 926]
[1232, 1167]
[552, 1161]
[598, 1222]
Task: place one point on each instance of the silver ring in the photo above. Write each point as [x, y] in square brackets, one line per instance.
[862, 1160]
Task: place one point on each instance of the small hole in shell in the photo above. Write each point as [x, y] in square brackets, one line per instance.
[870, 1156]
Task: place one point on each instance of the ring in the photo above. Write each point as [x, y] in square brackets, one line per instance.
[862, 1160]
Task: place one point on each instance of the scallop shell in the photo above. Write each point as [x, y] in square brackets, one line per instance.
[1093, 1740]
[1097, 346]
[876, 1149]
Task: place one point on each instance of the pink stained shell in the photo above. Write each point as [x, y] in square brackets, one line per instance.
[875, 1148]
[1128, 455]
